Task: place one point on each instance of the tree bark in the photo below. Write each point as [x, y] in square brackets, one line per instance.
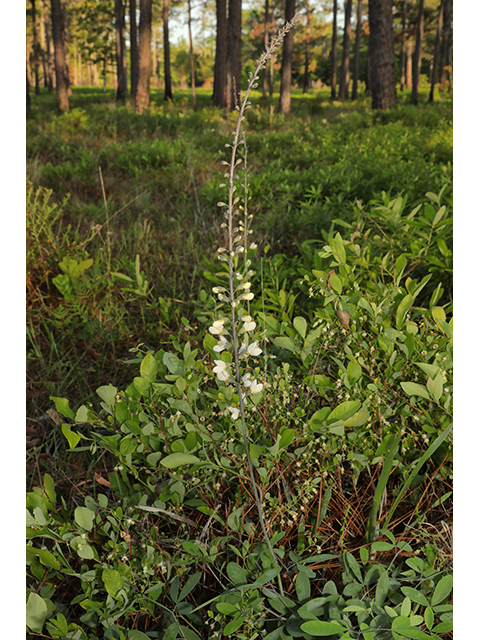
[120, 50]
[28, 92]
[67, 54]
[60, 61]
[271, 65]
[408, 65]
[417, 56]
[356, 55]
[306, 75]
[382, 54]
[266, 29]
[133, 48]
[142, 98]
[345, 68]
[437, 51]
[402, 48]
[334, 52]
[234, 52]
[50, 62]
[166, 53]
[36, 54]
[220, 70]
[287, 59]
[445, 50]
[192, 61]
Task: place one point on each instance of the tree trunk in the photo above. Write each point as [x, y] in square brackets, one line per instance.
[50, 62]
[445, 50]
[437, 51]
[417, 56]
[120, 50]
[408, 65]
[382, 54]
[306, 75]
[334, 52]
[220, 70]
[60, 62]
[402, 50]
[43, 49]
[133, 48]
[271, 75]
[166, 53]
[142, 98]
[28, 91]
[287, 59]
[345, 68]
[356, 55]
[192, 60]
[266, 29]
[67, 55]
[36, 54]
[234, 51]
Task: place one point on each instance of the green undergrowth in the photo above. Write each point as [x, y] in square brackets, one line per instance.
[145, 502]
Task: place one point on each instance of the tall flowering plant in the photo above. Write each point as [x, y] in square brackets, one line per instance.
[236, 329]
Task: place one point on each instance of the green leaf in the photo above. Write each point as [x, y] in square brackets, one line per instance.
[429, 618]
[354, 371]
[82, 414]
[227, 609]
[36, 612]
[113, 582]
[339, 249]
[148, 368]
[284, 342]
[84, 517]
[442, 590]
[321, 628]
[358, 419]
[189, 585]
[300, 325]
[108, 394]
[381, 591]
[174, 587]
[344, 410]
[134, 634]
[336, 283]
[412, 632]
[63, 407]
[316, 421]
[72, 437]
[400, 264]
[232, 626]
[435, 387]
[414, 389]
[49, 488]
[402, 310]
[438, 313]
[286, 438]
[353, 565]
[173, 363]
[236, 574]
[178, 459]
[46, 557]
[302, 586]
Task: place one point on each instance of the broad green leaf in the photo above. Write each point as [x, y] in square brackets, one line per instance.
[178, 459]
[438, 313]
[400, 264]
[402, 310]
[302, 586]
[227, 609]
[354, 371]
[85, 551]
[84, 517]
[321, 628]
[266, 577]
[49, 488]
[320, 380]
[358, 419]
[232, 626]
[414, 389]
[189, 585]
[284, 342]
[173, 363]
[174, 588]
[113, 581]
[439, 215]
[236, 574]
[412, 632]
[300, 325]
[429, 617]
[72, 437]
[134, 634]
[336, 283]
[442, 590]
[316, 421]
[430, 369]
[63, 407]
[381, 591]
[82, 414]
[339, 249]
[353, 565]
[382, 546]
[344, 410]
[286, 438]
[108, 394]
[46, 557]
[406, 607]
[36, 612]
[148, 368]
[435, 387]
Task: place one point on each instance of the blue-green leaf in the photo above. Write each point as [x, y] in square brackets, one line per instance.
[321, 628]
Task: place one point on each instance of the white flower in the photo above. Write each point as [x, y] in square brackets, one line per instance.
[251, 349]
[217, 328]
[249, 324]
[235, 411]
[255, 386]
[221, 369]
[222, 344]
[246, 380]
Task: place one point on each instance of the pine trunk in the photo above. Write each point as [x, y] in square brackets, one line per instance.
[133, 48]
[192, 60]
[356, 55]
[234, 51]
[445, 60]
[334, 52]
[142, 99]
[220, 70]
[36, 53]
[306, 75]
[120, 50]
[345, 68]
[59, 54]
[287, 59]
[436, 52]
[382, 54]
[402, 50]
[417, 56]
[166, 53]
[266, 28]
